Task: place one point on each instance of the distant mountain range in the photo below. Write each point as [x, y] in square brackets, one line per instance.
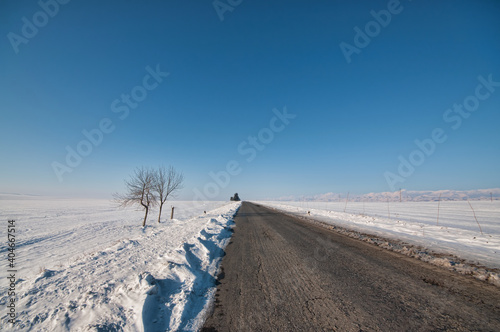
[405, 195]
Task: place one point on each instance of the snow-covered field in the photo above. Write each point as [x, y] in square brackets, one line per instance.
[86, 265]
[456, 232]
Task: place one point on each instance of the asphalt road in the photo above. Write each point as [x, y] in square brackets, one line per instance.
[283, 274]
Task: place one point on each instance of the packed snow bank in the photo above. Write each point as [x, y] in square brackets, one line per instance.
[471, 234]
[160, 279]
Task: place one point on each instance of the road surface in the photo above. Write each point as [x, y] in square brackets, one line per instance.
[283, 274]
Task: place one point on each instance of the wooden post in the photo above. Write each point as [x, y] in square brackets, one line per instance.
[347, 199]
[475, 216]
[388, 208]
[172, 214]
[439, 202]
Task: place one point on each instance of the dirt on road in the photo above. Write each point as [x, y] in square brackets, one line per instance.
[281, 273]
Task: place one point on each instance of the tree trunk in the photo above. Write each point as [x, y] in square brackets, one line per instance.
[145, 217]
[159, 215]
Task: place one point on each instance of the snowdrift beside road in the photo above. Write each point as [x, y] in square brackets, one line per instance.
[458, 231]
[160, 280]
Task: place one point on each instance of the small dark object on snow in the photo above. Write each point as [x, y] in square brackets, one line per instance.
[236, 198]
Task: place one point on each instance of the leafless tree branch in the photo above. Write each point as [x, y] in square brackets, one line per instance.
[167, 182]
[140, 190]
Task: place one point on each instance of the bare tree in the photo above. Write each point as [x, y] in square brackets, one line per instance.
[167, 182]
[140, 191]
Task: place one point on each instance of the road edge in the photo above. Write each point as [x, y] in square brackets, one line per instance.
[443, 260]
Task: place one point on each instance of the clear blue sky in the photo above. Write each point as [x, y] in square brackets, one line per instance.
[353, 120]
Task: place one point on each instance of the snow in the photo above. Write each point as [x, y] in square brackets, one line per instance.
[456, 233]
[86, 265]
[406, 195]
